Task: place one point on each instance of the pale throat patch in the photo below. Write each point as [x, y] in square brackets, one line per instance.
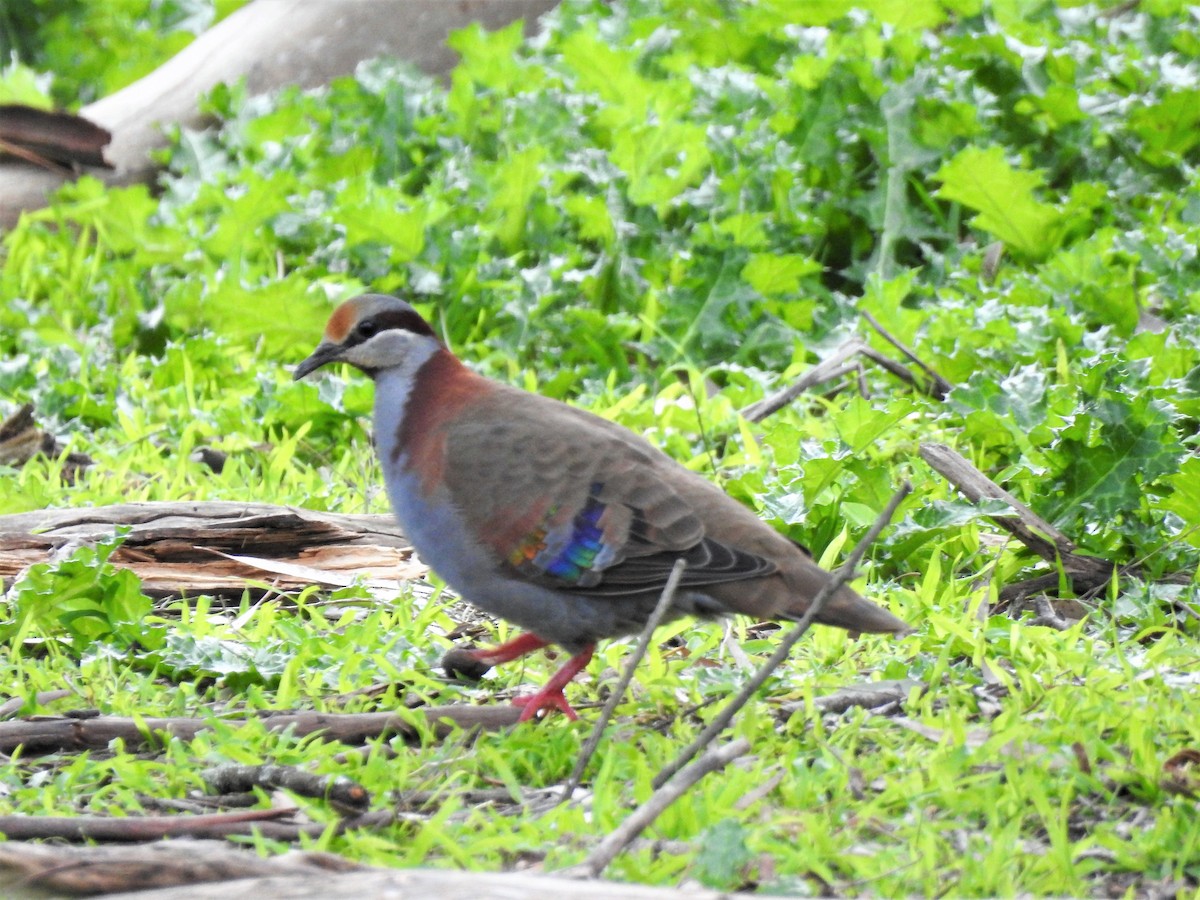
[394, 382]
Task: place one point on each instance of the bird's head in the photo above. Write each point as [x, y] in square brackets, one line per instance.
[372, 332]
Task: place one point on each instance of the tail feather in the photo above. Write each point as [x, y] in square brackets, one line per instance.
[847, 609]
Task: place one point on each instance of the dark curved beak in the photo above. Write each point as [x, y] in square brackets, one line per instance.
[325, 353]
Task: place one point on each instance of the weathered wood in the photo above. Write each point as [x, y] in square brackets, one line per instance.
[218, 547]
[52, 140]
[45, 734]
[828, 368]
[190, 870]
[1025, 525]
[105, 869]
[1085, 572]
[269, 43]
[136, 829]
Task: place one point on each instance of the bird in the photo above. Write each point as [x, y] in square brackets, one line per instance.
[553, 518]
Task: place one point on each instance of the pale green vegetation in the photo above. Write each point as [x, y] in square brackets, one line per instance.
[648, 190]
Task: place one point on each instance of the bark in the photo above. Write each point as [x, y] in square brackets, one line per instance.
[1085, 572]
[190, 870]
[219, 548]
[48, 734]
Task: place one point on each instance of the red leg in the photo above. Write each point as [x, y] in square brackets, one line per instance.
[509, 650]
[551, 696]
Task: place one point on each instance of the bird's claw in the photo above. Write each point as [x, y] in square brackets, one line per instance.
[544, 699]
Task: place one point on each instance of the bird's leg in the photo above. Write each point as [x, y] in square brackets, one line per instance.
[551, 696]
[509, 650]
[473, 664]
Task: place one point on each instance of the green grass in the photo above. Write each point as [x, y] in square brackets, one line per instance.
[662, 211]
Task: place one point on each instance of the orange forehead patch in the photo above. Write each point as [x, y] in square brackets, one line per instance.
[340, 323]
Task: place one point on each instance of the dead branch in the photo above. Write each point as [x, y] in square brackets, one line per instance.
[826, 369]
[1026, 526]
[138, 828]
[106, 869]
[66, 733]
[51, 139]
[643, 644]
[14, 705]
[344, 795]
[870, 695]
[837, 578]
[219, 547]
[641, 818]
[939, 387]
[838, 364]
[1042, 538]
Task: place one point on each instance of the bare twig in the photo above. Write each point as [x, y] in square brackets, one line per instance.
[891, 366]
[643, 644]
[14, 705]
[869, 695]
[637, 821]
[838, 364]
[1189, 609]
[1042, 538]
[137, 828]
[1026, 526]
[47, 734]
[344, 795]
[837, 578]
[940, 387]
[826, 369]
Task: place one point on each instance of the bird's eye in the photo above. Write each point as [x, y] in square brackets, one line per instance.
[367, 329]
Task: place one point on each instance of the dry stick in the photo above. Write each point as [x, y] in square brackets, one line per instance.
[47, 735]
[941, 386]
[890, 365]
[14, 705]
[139, 828]
[344, 795]
[637, 821]
[837, 578]
[664, 602]
[822, 371]
[1042, 538]
[1026, 526]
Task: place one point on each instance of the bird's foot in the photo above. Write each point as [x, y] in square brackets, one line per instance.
[544, 699]
[551, 696]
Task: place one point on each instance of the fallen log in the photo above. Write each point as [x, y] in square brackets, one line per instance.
[219, 548]
[201, 869]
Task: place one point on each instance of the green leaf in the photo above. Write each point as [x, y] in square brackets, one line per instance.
[1004, 197]
[723, 855]
[661, 160]
[775, 274]
[513, 185]
[1112, 453]
[1169, 129]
